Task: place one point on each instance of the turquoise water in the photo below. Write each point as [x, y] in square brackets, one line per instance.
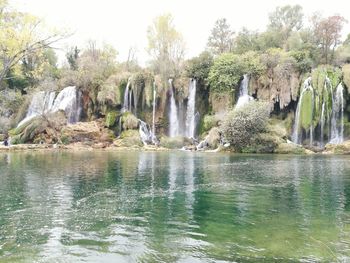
[173, 207]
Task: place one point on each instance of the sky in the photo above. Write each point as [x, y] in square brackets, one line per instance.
[123, 24]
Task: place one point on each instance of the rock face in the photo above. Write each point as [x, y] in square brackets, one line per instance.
[93, 132]
[342, 148]
[276, 87]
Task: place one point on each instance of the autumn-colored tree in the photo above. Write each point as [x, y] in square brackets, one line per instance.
[21, 36]
[327, 33]
[166, 46]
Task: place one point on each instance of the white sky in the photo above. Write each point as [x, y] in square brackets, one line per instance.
[123, 23]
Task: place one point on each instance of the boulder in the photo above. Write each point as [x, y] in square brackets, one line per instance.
[93, 131]
[213, 138]
[128, 138]
[342, 148]
[291, 148]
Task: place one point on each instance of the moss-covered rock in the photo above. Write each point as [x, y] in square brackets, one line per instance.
[214, 138]
[174, 142]
[346, 76]
[46, 127]
[291, 148]
[111, 118]
[342, 148]
[128, 138]
[209, 122]
[129, 121]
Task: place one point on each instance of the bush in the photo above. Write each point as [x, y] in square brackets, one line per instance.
[226, 73]
[129, 121]
[209, 121]
[244, 123]
[130, 138]
[174, 142]
[199, 67]
[111, 118]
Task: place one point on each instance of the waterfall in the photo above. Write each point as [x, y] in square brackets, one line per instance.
[154, 109]
[127, 97]
[41, 103]
[147, 136]
[337, 120]
[322, 123]
[244, 97]
[68, 100]
[296, 138]
[190, 114]
[173, 118]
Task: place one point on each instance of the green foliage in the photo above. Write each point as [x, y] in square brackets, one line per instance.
[221, 38]
[307, 110]
[303, 60]
[208, 122]
[244, 123]
[246, 41]
[72, 57]
[346, 76]
[111, 118]
[129, 121]
[111, 93]
[130, 138]
[24, 52]
[226, 73]
[285, 19]
[166, 46]
[172, 142]
[199, 67]
[251, 63]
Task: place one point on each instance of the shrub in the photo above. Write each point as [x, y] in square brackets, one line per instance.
[111, 118]
[199, 67]
[244, 123]
[173, 142]
[129, 121]
[226, 73]
[209, 121]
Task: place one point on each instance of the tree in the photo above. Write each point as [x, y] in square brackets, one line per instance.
[246, 41]
[327, 33]
[199, 67]
[72, 57]
[226, 73]
[20, 38]
[221, 38]
[283, 22]
[286, 19]
[166, 46]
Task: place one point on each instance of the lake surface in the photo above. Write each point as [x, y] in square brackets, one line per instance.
[173, 207]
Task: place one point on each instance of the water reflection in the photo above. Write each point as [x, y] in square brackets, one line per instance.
[173, 207]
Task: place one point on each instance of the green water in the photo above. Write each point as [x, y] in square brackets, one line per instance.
[173, 207]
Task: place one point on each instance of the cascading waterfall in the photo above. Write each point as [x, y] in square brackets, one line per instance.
[127, 97]
[173, 113]
[322, 123]
[244, 97]
[154, 109]
[68, 100]
[42, 103]
[147, 136]
[190, 114]
[296, 136]
[337, 120]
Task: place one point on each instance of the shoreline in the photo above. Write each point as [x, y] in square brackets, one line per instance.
[77, 147]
